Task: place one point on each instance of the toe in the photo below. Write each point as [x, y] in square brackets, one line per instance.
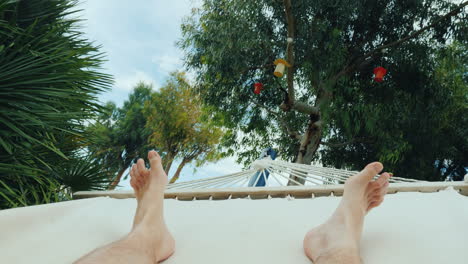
[136, 173]
[368, 173]
[372, 206]
[133, 184]
[383, 179]
[379, 201]
[377, 197]
[376, 201]
[141, 167]
[133, 172]
[372, 193]
[384, 189]
[155, 160]
[134, 178]
[372, 186]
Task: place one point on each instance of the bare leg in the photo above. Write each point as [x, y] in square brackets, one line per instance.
[149, 241]
[337, 240]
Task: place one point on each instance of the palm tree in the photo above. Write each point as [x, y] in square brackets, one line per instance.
[49, 81]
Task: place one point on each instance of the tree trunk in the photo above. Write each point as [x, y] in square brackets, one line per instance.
[308, 147]
[117, 178]
[176, 175]
[168, 161]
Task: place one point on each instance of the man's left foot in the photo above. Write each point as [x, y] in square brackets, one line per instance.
[149, 186]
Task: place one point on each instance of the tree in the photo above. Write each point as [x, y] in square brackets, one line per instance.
[169, 120]
[328, 99]
[180, 126]
[426, 121]
[201, 146]
[451, 72]
[118, 136]
[49, 81]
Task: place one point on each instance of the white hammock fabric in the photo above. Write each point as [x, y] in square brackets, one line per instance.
[408, 228]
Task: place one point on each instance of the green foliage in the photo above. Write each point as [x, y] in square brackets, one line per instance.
[81, 174]
[180, 126]
[403, 121]
[419, 124]
[31, 191]
[171, 120]
[48, 87]
[171, 114]
[118, 136]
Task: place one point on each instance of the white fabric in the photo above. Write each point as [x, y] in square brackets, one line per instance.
[407, 228]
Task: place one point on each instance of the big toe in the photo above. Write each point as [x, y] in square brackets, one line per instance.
[156, 165]
[155, 159]
[369, 172]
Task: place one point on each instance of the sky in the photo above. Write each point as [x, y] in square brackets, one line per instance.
[138, 38]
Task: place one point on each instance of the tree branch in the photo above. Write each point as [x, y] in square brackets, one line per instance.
[281, 121]
[299, 106]
[305, 108]
[288, 130]
[420, 31]
[291, 102]
[340, 144]
[290, 50]
[359, 61]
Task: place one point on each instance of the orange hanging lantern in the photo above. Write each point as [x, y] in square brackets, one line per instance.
[379, 73]
[258, 87]
[280, 66]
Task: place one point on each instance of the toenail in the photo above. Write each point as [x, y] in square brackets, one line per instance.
[377, 166]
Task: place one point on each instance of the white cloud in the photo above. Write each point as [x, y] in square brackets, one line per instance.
[170, 14]
[167, 63]
[128, 82]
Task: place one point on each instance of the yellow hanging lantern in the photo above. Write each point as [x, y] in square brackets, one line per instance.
[280, 66]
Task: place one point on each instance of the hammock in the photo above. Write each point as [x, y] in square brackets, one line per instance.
[409, 227]
[274, 176]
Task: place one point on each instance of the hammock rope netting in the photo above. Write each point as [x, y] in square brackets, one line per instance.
[267, 178]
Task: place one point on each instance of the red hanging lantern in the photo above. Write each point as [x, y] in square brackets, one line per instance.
[379, 73]
[258, 87]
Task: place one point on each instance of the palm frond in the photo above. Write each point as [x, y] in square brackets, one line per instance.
[49, 82]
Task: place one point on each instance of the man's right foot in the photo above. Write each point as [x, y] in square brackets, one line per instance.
[341, 233]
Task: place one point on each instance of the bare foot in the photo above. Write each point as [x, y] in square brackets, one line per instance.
[149, 188]
[341, 233]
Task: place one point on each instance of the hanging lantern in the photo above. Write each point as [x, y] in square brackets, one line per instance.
[379, 73]
[258, 87]
[280, 66]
